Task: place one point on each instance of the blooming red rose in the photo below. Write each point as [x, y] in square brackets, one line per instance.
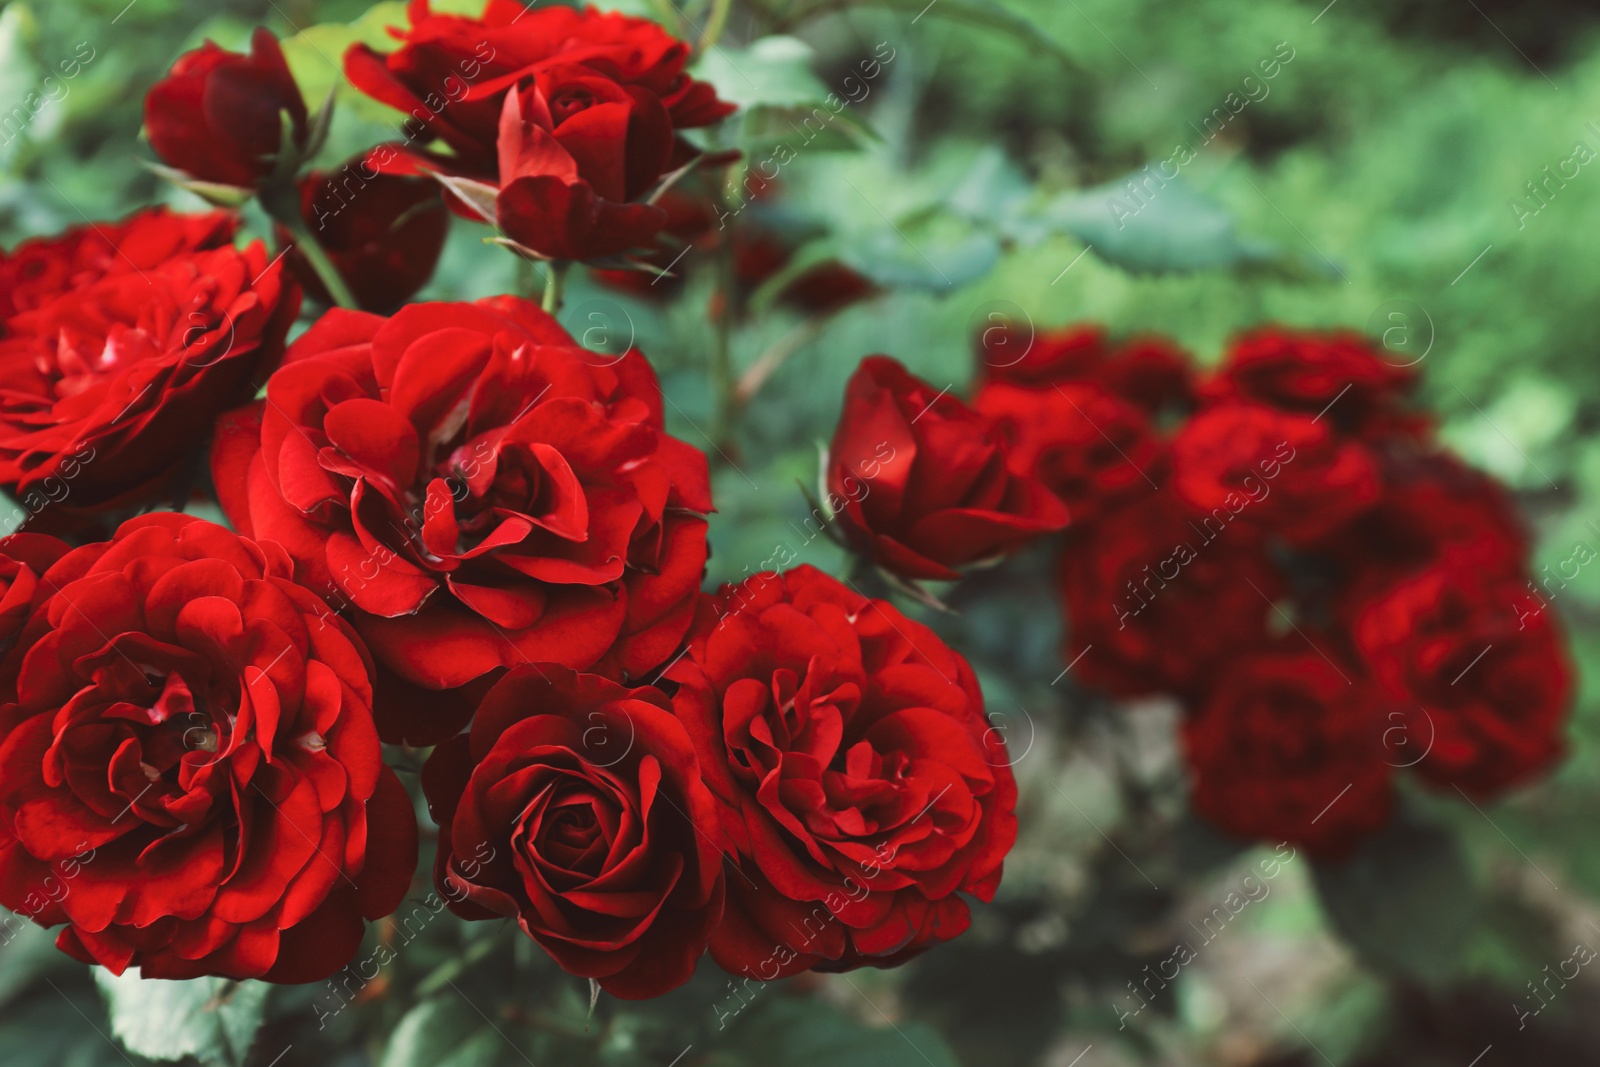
[859, 785]
[383, 233]
[101, 389]
[42, 268]
[576, 806]
[1087, 446]
[577, 151]
[480, 490]
[1340, 374]
[921, 482]
[1157, 596]
[1288, 473]
[1491, 677]
[218, 115]
[1287, 746]
[193, 780]
[452, 73]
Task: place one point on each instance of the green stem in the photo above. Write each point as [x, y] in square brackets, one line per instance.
[715, 24]
[555, 277]
[284, 207]
[724, 383]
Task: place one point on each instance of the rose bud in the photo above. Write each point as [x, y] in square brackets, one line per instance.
[382, 232]
[193, 781]
[1157, 596]
[42, 268]
[1287, 746]
[1285, 473]
[479, 492]
[575, 806]
[858, 782]
[1487, 664]
[920, 481]
[218, 115]
[103, 386]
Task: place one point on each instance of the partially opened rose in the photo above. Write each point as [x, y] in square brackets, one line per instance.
[859, 785]
[479, 492]
[922, 482]
[221, 117]
[102, 388]
[1288, 746]
[191, 737]
[40, 269]
[576, 807]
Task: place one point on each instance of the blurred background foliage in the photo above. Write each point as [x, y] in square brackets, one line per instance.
[1379, 180]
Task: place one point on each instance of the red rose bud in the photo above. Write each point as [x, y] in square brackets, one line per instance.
[217, 116]
[452, 73]
[1090, 448]
[479, 492]
[382, 232]
[193, 781]
[1159, 596]
[42, 268]
[858, 783]
[1288, 746]
[576, 806]
[102, 387]
[1485, 661]
[1286, 473]
[921, 481]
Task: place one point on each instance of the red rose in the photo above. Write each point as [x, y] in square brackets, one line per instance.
[576, 151]
[452, 73]
[218, 115]
[1312, 373]
[42, 268]
[1287, 747]
[102, 388]
[1148, 371]
[193, 781]
[1151, 372]
[1286, 473]
[1156, 596]
[1087, 446]
[859, 785]
[383, 233]
[921, 482]
[24, 558]
[575, 805]
[480, 490]
[1490, 674]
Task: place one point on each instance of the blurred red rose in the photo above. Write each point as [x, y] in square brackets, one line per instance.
[1338, 376]
[383, 233]
[576, 806]
[193, 780]
[920, 481]
[482, 491]
[102, 388]
[1491, 677]
[42, 268]
[861, 788]
[218, 115]
[1286, 473]
[1157, 596]
[452, 73]
[1287, 746]
[1148, 371]
[1087, 446]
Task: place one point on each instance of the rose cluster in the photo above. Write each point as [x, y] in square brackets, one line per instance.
[1284, 546]
[452, 528]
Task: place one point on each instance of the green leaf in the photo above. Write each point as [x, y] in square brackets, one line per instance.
[987, 14]
[786, 1032]
[1146, 223]
[771, 71]
[316, 58]
[212, 1019]
[1404, 899]
[27, 953]
[437, 1032]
